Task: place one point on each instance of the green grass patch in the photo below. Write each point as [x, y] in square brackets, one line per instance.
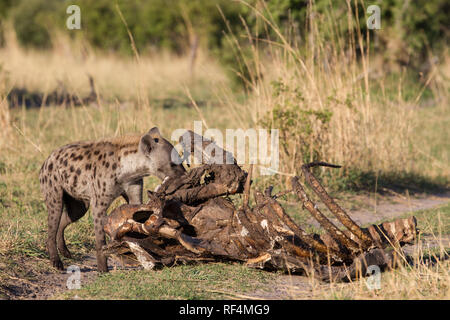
[204, 281]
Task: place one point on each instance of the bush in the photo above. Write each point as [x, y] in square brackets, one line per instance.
[302, 130]
[156, 24]
[33, 21]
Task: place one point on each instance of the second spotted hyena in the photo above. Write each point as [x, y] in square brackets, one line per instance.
[92, 174]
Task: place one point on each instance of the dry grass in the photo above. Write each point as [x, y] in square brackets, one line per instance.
[406, 283]
[426, 278]
[132, 93]
[379, 123]
[70, 63]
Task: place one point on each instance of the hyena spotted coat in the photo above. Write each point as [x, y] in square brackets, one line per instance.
[92, 174]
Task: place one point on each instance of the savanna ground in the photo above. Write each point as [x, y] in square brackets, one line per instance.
[389, 130]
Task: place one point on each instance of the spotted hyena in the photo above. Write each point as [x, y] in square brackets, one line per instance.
[92, 174]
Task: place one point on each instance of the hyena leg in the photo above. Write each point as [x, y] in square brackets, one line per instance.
[54, 203]
[98, 212]
[134, 191]
[73, 210]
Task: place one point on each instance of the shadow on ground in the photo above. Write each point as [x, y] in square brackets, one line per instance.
[387, 182]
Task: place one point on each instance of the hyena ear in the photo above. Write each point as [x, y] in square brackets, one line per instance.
[154, 132]
[149, 140]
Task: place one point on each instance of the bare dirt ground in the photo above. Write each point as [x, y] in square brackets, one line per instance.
[46, 285]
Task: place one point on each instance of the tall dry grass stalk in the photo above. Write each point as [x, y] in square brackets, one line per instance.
[5, 120]
[5, 117]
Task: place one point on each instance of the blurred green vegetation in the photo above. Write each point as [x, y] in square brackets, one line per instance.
[417, 27]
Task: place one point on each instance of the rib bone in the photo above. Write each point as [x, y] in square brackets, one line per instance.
[365, 241]
[347, 243]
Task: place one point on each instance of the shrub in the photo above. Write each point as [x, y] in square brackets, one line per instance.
[302, 130]
[33, 20]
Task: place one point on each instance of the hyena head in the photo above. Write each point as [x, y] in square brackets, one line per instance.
[163, 160]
